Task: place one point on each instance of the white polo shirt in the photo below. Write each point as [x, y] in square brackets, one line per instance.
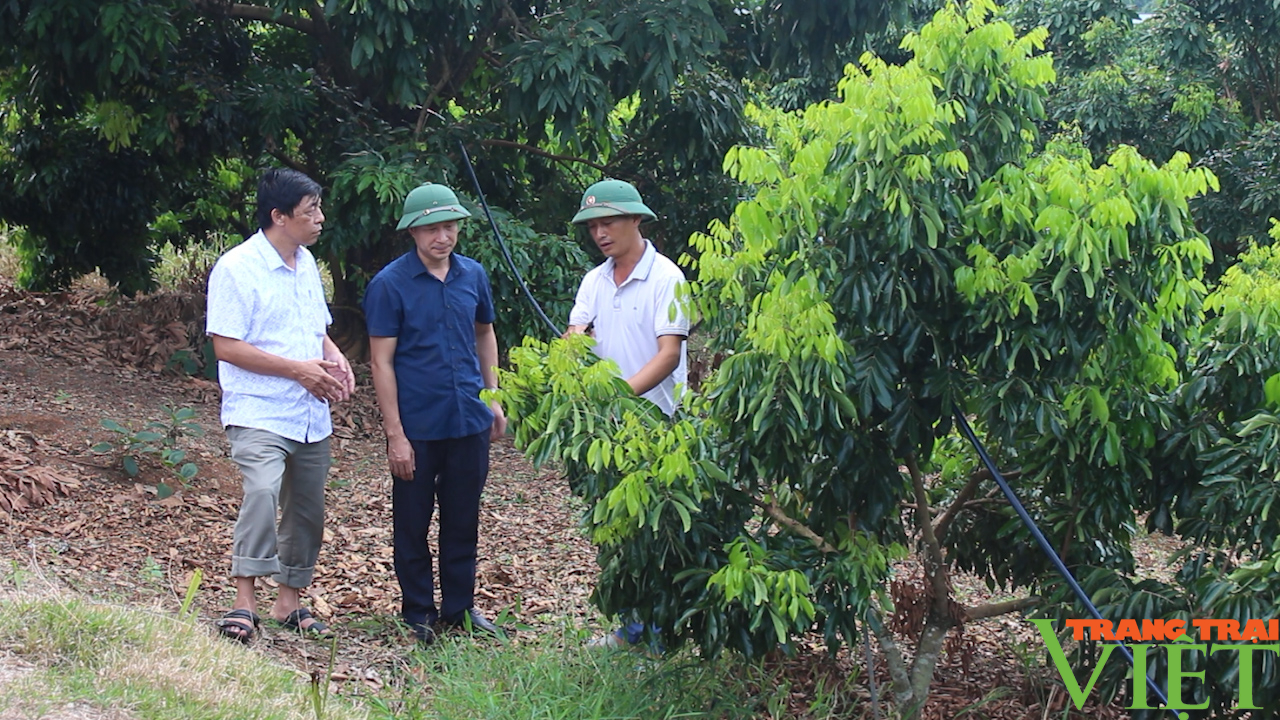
[629, 318]
[255, 297]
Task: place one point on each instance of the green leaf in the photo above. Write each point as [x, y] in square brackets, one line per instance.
[714, 471]
[102, 447]
[1099, 407]
[1271, 389]
[1112, 448]
[130, 466]
[1259, 420]
[685, 520]
[163, 491]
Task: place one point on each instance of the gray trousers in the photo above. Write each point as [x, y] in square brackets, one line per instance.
[286, 476]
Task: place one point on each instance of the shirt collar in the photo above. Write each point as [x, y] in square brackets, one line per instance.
[417, 267]
[642, 268]
[270, 256]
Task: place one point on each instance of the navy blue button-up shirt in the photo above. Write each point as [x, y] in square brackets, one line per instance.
[438, 380]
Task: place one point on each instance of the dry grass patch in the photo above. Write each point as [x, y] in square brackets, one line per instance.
[9, 264]
[144, 664]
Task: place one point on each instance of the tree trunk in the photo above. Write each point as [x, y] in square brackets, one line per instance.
[928, 652]
[898, 672]
[348, 331]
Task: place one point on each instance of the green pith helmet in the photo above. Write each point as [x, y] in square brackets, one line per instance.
[430, 203]
[612, 197]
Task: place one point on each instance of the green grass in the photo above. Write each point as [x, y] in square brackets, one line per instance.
[555, 678]
[151, 664]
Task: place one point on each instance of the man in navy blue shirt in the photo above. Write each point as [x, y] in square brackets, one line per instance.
[431, 341]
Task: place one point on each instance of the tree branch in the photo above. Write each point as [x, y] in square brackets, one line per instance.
[462, 72]
[543, 153]
[257, 12]
[987, 501]
[988, 610]
[291, 163]
[510, 17]
[445, 77]
[780, 516]
[966, 493]
[936, 562]
[314, 24]
[479, 43]
[338, 55]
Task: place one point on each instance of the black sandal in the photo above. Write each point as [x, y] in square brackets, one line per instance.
[295, 620]
[229, 625]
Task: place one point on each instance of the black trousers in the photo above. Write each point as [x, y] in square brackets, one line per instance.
[451, 473]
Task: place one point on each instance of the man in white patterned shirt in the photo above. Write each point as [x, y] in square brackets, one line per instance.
[279, 370]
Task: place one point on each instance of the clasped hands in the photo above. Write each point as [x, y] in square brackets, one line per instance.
[329, 379]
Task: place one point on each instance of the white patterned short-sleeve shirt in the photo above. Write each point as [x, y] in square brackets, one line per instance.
[255, 297]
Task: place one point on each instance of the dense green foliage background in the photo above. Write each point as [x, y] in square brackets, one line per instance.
[128, 123]
[1056, 215]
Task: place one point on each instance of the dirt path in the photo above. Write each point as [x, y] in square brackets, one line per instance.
[116, 538]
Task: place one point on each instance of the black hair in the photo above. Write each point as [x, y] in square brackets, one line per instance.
[282, 189]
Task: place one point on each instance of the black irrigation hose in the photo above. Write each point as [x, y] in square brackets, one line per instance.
[1043, 542]
[502, 244]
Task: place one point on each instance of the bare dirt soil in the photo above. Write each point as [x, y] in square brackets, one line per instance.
[74, 519]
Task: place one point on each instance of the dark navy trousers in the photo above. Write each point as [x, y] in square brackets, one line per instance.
[451, 474]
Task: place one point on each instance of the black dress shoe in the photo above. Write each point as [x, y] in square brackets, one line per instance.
[424, 633]
[472, 621]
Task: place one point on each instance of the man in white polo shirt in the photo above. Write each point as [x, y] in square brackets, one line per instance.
[629, 302]
[279, 370]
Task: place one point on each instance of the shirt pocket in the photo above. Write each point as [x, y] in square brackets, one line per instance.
[314, 308]
[461, 307]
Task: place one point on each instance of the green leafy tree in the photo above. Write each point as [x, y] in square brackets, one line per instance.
[1196, 77]
[1127, 91]
[906, 249]
[371, 98]
[1213, 483]
[1067, 23]
[1249, 169]
[1250, 51]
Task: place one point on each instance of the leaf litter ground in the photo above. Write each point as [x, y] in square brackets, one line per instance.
[75, 520]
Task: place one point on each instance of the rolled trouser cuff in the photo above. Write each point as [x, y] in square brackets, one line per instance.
[295, 577]
[254, 567]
